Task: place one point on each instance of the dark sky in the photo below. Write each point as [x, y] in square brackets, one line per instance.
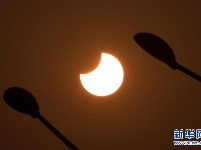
[45, 45]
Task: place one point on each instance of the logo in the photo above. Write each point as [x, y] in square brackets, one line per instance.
[187, 137]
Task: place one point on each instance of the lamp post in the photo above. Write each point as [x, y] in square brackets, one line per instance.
[24, 102]
[159, 49]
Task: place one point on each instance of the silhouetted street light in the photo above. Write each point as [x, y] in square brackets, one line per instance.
[24, 102]
[159, 49]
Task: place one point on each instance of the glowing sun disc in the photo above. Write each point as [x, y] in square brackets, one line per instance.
[106, 78]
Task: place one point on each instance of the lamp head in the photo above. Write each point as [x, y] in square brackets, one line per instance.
[156, 47]
[21, 100]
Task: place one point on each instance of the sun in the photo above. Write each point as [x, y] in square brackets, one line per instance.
[106, 78]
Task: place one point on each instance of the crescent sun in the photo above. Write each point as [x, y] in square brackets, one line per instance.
[106, 78]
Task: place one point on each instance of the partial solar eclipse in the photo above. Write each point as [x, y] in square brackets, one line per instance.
[106, 78]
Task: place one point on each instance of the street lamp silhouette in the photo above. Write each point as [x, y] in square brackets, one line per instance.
[24, 102]
[159, 49]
